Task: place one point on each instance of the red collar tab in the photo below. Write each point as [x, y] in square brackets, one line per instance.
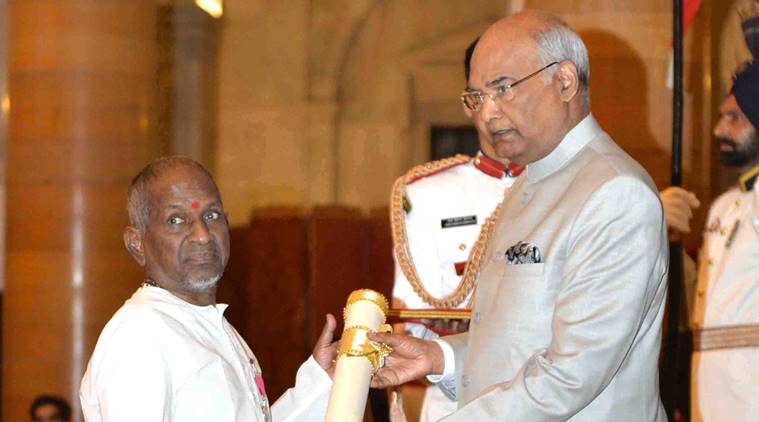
[514, 169]
[495, 168]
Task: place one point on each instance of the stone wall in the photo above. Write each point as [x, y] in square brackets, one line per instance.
[329, 101]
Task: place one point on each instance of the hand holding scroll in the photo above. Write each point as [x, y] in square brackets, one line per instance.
[411, 359]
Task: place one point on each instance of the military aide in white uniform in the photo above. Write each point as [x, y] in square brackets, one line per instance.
[726, 316]
[169, 354]
[445, 202]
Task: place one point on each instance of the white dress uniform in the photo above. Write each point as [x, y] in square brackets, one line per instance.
[162, 359]
[725, 369]
[445, 211]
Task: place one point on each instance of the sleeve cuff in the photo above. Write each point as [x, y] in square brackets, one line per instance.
[449, 365]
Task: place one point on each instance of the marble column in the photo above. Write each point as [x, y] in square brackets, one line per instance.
[81, 78]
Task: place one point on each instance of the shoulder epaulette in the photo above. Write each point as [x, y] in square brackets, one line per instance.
[433, 167]
[748, 178]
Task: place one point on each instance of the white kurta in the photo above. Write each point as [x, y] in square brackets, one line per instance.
[460, 191]
[726, 381]
[160, 358]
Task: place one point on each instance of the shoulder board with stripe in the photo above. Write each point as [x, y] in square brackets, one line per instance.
[433, 167]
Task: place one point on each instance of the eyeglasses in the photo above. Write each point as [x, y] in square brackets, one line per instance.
[504, 92]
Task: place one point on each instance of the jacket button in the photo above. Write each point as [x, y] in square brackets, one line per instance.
[465, 381]
[476, 318]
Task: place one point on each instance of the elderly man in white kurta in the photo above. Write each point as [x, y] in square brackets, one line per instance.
[169, 354]
[567, 313]
[725, 380]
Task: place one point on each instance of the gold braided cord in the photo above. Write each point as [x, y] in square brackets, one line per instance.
[400, 238]
[426, 169]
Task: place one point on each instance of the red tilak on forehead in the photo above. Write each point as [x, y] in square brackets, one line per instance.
[195, 204]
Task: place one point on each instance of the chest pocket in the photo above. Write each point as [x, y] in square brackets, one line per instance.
[524, 285]
[522, 299]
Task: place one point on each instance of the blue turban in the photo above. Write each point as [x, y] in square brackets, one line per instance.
[746, 91]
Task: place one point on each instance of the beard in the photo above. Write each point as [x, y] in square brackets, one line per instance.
[740, 154]
[203, 284]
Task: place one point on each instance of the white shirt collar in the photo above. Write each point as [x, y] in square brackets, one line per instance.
[163, 295]
[573, 141]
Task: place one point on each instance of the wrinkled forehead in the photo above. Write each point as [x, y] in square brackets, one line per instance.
[501, 54]
[182, 184]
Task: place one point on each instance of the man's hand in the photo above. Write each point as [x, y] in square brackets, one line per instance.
[678, 206]
[412, 358]
[325, 349]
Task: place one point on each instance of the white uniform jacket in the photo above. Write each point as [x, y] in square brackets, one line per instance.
[567, 324]
[726, 380]
[446, 212]
[447, 209]
[160, 358]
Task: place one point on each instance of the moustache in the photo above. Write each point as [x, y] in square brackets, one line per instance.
[721, 140]
[207, 252]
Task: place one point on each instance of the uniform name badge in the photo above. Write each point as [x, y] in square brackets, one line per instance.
[467, 220]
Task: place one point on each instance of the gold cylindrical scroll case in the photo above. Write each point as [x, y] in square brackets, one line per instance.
[359, 358]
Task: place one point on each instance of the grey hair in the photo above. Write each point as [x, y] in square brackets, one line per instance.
[138, 195]
[557, 42]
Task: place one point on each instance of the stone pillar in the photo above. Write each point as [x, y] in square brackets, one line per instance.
[4, 109]
[194, 83]
[81, 77]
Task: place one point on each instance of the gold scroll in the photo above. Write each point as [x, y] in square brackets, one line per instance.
[359, 358]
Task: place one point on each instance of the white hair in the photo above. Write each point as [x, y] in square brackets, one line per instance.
[202, 284]
[558, 42]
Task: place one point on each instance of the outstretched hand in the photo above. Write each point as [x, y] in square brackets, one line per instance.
[411, 359]
[325, 349]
